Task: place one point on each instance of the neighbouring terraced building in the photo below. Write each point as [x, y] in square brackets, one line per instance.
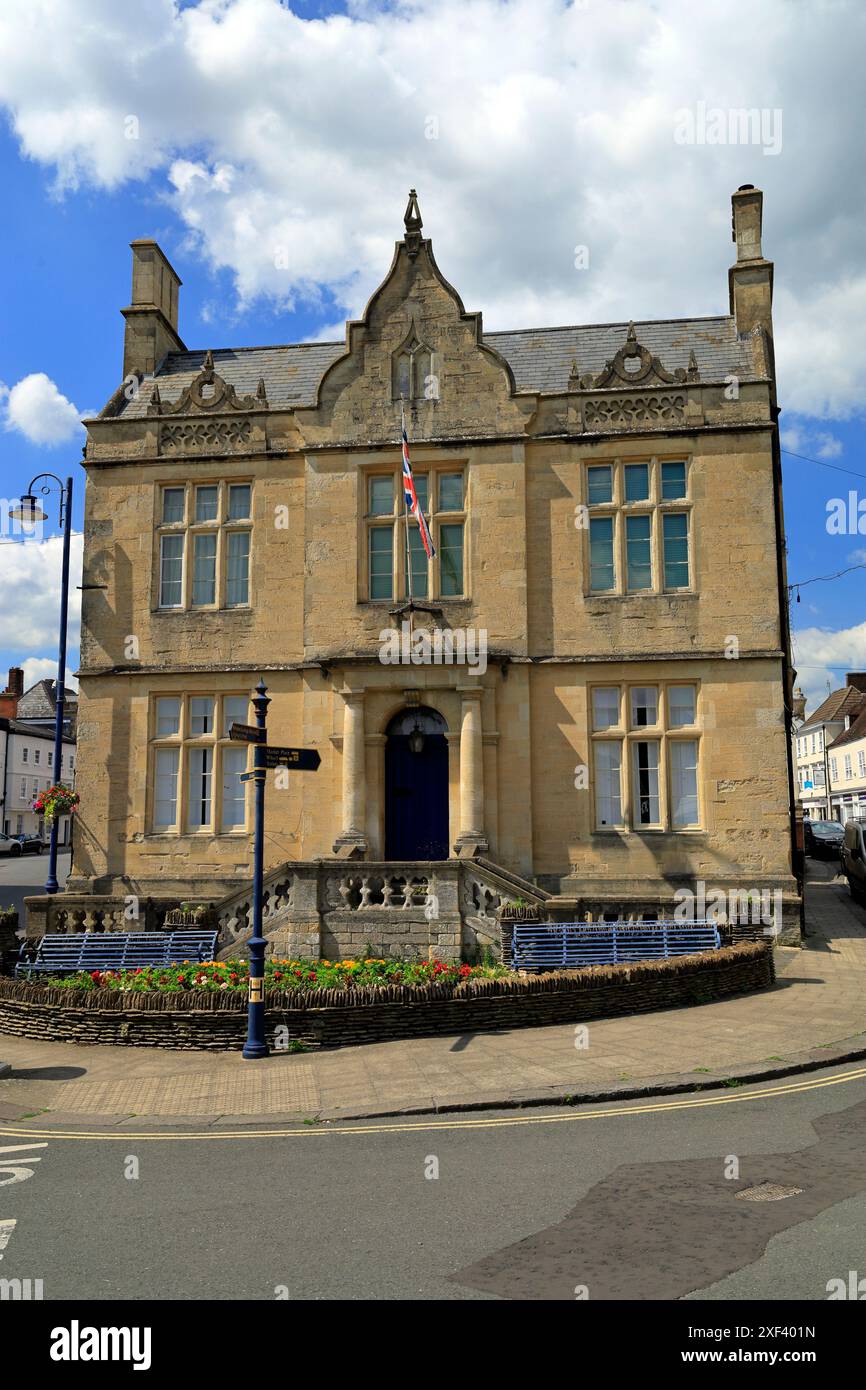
[605, 503]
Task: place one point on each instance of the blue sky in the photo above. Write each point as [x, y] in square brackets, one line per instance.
[528, 128]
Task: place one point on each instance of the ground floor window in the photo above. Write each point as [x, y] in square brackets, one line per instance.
[646, 749]
[195, 769]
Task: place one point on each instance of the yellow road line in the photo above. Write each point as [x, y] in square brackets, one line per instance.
[305, 1131]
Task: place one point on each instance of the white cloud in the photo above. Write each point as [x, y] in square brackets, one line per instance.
[30, 575]
[40, 668]
[802, 439]
[286, 146]
[822, 655]
[38, 410]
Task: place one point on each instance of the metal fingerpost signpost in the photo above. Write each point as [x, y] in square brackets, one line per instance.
[301, 760]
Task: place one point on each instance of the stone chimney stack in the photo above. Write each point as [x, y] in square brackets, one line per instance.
[151, 318]
[750, 280]
[799, 704]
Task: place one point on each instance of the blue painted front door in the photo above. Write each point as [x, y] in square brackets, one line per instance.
[416, 798]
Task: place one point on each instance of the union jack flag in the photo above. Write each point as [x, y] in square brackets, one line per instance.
[412, 498]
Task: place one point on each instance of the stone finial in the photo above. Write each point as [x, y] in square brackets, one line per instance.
[261, 394]
[692, 373]
[207, 365]
[413, 224]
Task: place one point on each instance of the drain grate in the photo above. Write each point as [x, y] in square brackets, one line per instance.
[767, 1192]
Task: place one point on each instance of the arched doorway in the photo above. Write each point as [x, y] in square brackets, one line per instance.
[416, 786]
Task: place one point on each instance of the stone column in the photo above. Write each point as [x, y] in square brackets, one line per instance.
[352, 840]
[471, 839]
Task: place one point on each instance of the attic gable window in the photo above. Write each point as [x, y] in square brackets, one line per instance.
[413, 372]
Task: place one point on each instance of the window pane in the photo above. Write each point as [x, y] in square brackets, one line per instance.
[644, 706]
[608, 796]
[381, 562]
[601, 575]
[200, 780]
[235, 711]
[605, 707]
[451, 558]
[600, 484]
[684, 781]
[171, 572]
[201, 715]
[421, 367]
[681, 705]
[168, 716]
[636, 482]
[206, 502]
[234, 762]
[165, 790]
[646, 783]
[382, 496]
[239, 501]
[639, 570]
[676, 548]
[237, 568]
[673, 480]
[204, 569]
[451, 492]
[418, 556]
[172, 504]
[422, 491]
[401, 376]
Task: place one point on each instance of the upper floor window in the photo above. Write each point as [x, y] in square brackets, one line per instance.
[413, 375]
[37, 755]
[204, 534]
[25, 755]
[391, 559]
[639, 526]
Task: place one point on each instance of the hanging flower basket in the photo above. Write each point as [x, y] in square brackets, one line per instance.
[56, 801]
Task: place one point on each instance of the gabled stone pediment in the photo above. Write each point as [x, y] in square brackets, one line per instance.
[222, 398]
[633, 365]
[417, 348]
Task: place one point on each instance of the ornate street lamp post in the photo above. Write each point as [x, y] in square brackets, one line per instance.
[255, 1045]
[30, 513]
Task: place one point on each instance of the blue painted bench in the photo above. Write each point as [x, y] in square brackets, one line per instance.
[563, 945]
[63, 954]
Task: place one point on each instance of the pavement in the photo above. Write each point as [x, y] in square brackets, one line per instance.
[814, 1017]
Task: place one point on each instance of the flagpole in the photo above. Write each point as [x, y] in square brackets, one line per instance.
[406, 511]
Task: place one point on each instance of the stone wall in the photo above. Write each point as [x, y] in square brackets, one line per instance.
[213, 1022]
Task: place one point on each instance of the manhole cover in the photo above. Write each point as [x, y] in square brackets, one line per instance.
[768, 1192]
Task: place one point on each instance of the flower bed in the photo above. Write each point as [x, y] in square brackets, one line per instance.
[281, 976]
[356, 1010]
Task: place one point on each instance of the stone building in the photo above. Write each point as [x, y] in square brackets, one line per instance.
[584, 701]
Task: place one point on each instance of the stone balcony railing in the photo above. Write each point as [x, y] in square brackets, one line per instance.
[331, 908]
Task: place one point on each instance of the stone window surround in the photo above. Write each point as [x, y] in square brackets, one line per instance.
[435, 518]
[654, 507]
[188, 528]
[661, 732]
[184, 740]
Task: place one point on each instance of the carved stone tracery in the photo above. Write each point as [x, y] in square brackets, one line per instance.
[633, 365]
[222, 397]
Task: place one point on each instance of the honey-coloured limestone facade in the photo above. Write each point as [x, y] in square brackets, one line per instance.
[585, 699]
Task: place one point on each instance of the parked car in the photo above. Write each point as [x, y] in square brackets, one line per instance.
[823, 838]
[9, 844]
[31, 844]
[854, 860]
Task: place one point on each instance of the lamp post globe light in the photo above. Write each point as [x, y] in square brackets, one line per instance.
[29, 513]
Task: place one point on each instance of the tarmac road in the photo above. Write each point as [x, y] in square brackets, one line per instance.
[627, 1201]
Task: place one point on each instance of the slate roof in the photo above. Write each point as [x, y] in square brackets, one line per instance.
[848, 700]
[20, 726]
[40, 702]
[540, 359]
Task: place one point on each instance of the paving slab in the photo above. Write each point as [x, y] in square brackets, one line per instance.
[814, 1015]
